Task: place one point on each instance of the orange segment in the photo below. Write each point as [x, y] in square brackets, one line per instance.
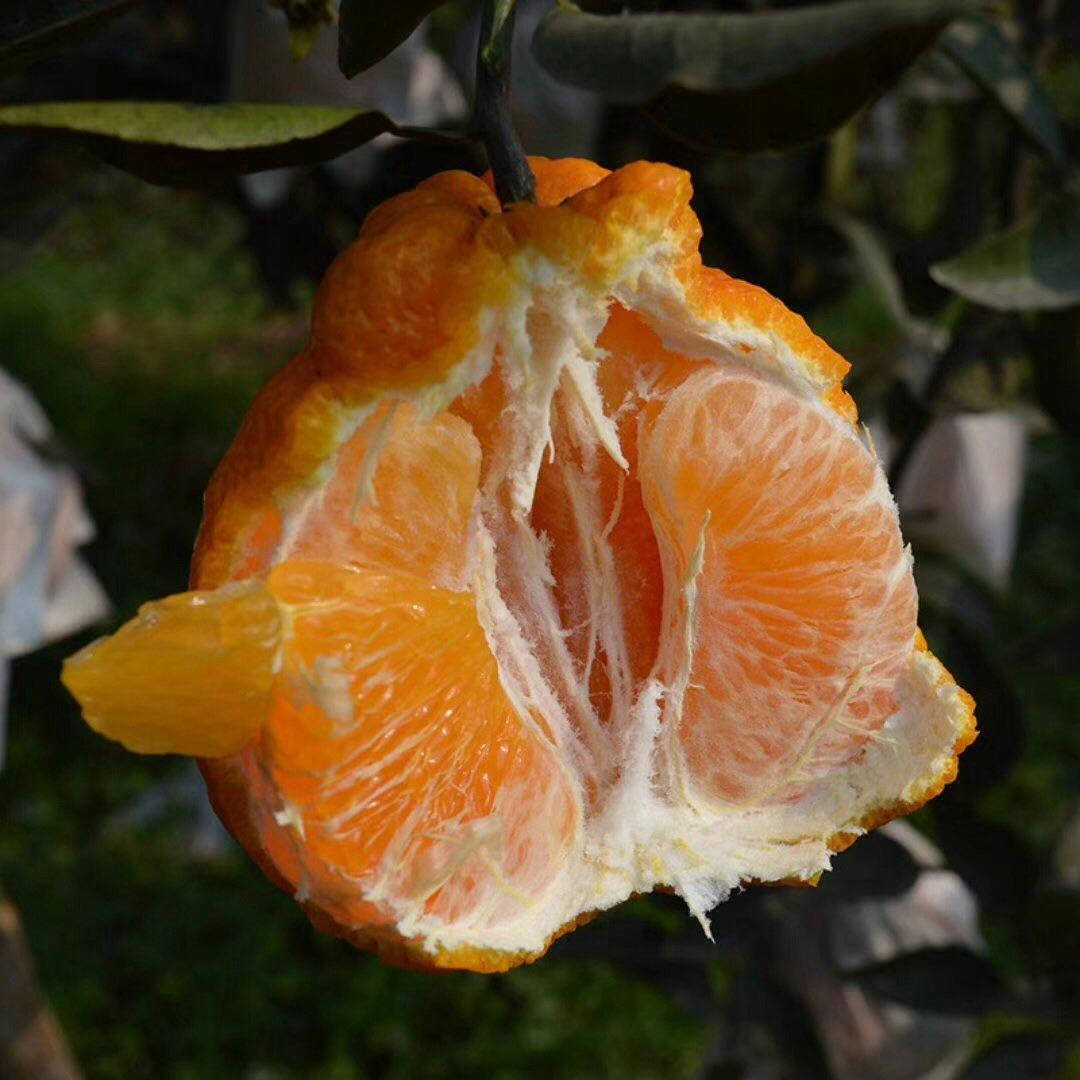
[802, 611]
[401, 764]
[399, 496]
[398, 493]
[586, 506]
[191, 674]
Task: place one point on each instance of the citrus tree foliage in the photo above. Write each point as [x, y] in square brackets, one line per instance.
[31, 31]
[745, 82]
[1031, 265]
[367, 32]
[741, 82]
[180, 144]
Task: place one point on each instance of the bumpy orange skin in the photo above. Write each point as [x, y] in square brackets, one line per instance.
[399, 311]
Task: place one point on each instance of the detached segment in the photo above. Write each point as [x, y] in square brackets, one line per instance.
[190, 674]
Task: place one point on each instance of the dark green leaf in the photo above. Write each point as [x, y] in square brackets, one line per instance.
[1055, 349]
[875, 866]
[956, 614]
[950, 979]
[977, 849]
[1055, 926]
[306, 19]
[1027, 1056]
[875, 264]
[1058, 647]
[745, 82]
[29, 31]
[1035, 264]
[369, 29]
[983, 53]
[196, 145]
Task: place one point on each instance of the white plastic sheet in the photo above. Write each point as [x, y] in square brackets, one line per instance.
[46, 590]
[962, 490]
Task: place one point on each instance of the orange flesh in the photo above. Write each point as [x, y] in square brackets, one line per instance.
[399, 497]
[393, 743]
[805, 609]
[634, 365]
[798, 554]
[405, 771]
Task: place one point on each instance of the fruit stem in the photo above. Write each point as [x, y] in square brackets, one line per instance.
[514, 180]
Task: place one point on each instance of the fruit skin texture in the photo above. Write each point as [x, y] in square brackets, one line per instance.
[437, 280]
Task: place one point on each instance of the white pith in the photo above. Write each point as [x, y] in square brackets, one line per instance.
[643, 826]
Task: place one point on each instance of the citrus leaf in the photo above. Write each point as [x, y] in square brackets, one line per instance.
[1055, 911]
[875, 264]
[764, 81]
[369, 29]
[950, 979]
[873, 868]
[306, 19]
[981, 51]
[1029, 1056]
[1054, 340]
[30, 31]
[195, 145]
[1033, 265]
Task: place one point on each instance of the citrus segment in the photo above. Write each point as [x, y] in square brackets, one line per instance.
[399, 495]
[409, 780]
[801, 609]
[190, 674]
[605, 562]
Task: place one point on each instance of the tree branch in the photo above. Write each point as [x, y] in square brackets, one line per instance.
[32, 1046]
[514, 180]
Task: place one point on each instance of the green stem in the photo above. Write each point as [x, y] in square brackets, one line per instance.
[514, 180]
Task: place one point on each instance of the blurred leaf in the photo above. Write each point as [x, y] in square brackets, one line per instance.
[1055, 349]
[949, 620]
[1054, 921]
[617, 7]
[1056, 648]
[978, 850]
[981, 50]
[306, 19]
[29, 31]
[369, 29]
[950, 979]
[874, 866]
[1067, 854]
[1035, 264]
[1021, 1056]
[984, 386]
[195, 145]
[876, 267]
[674, 963]
[740, 82]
